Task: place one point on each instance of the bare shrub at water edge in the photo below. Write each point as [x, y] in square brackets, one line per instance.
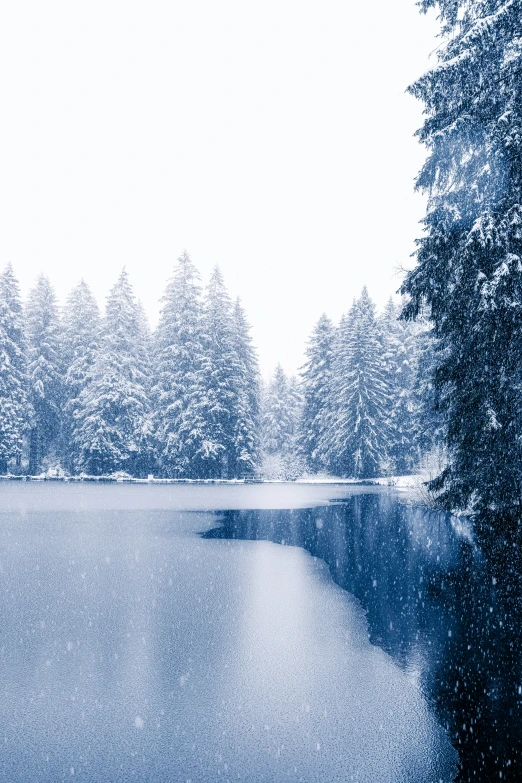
[431, 466]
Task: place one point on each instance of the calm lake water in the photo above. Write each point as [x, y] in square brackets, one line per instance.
[162, 633]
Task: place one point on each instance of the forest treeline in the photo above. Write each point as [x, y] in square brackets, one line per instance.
[82, 392]
[363, 403]
[89, 394]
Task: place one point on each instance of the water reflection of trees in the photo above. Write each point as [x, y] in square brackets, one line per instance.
[448, 616]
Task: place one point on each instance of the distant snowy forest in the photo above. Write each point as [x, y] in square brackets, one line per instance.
[92, 394]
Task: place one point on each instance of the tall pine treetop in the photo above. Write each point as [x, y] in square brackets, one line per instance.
[10, 305]
[112, 414]
[123, 316]
[316, 377]
[178, 351]
[45, 370]
[473, 172]
[43, 334]
[218, 370]
[246, 414]
[278, 422]
[14, 408]
[178, 334]
[81, 332]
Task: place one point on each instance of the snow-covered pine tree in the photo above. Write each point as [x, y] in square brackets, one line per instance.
[469, 262]
[294, 459]
[145, 460]
[45, 372]
[399, 340]
[281, 418]
[214, 402]
[244, 454]
[112, 419]
[324, 447]
[356, 439]
[178, 355]
[14, 404]
[81, 339]
[278, 422]
[316, 379]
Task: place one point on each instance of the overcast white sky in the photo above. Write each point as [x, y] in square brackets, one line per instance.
[272, 138]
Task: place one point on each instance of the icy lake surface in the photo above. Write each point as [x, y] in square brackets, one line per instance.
[162, 633]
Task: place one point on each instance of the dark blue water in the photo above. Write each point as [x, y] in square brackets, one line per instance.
[145, 637]
[434, 603]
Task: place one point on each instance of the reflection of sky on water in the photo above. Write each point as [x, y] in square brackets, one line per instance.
[133, 649]
[304, 665]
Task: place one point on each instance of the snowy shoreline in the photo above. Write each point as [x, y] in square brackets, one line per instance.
[130, 480]
[401, 482]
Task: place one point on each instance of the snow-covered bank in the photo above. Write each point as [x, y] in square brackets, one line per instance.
[121, 480]
[399, 482]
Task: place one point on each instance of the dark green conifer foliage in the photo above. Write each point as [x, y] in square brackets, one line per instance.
[399, 341]
[113, 417]
[356, 439]
[429, 421]
[45, 372]
[80, 342]
[244, 453]
[215, 399]
[316, 377]
[14, 409]
[469, 262]
[280, 424]
[178, 354]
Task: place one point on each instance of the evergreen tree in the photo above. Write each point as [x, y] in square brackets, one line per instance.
[294, 460]
[14, 405]
[281, 420]
[45, 372]
[295, 408]
[145, 459]
[279, 425]
[469, 268]
[316, 379]
[81, 339]
[113, 415]
[399, 339]
[178, 356]
[246, 416]
[356, 438]
[215, 401]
